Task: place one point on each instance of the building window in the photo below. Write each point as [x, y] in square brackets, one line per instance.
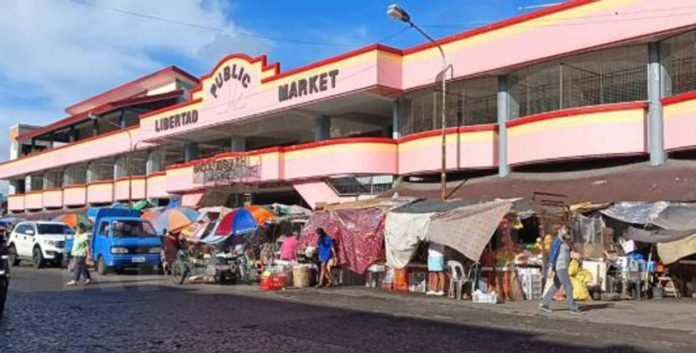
[601, 77]
[469, 102]
[679, 58]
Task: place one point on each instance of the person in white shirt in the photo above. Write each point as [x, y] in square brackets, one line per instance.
[436, 267]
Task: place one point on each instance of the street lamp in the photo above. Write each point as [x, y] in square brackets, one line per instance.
[397, 13]
[129, 167]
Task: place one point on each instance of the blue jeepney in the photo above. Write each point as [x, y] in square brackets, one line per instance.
[120, 239]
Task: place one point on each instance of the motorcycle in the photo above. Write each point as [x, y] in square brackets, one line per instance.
[220, 266]
[4, 273]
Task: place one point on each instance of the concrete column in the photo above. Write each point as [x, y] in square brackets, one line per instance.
[322, 128]
[95, 127]
[92, 174]
[27, 183]
[237, 143]
[73, 134]
[49, 181]
[396, 119]
[656, 143]
[122, 119]
[13, 187]
[190, 151]
[68, 177]
[121, 167]
[503, 116]
[154, 161]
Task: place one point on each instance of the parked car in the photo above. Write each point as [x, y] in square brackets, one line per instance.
[41, 242]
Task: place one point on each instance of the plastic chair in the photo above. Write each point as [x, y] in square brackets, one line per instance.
[471, 277]
[457, 280]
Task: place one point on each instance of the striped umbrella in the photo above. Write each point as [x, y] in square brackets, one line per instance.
[175, 219]
[237, 222]
[260, 214]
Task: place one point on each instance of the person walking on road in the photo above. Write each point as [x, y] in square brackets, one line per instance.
[80, 255]
[559, 259]
[327, 257]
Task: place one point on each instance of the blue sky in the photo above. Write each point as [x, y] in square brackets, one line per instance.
[57, 52]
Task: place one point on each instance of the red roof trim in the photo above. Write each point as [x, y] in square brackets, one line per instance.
[448, 131]
[275, 67]
[157, 174]
[501, 24]
[577, 111]
[334, 59]
[383, 140]
[52, 189]
[683, 97]
[378, 47]
[76, 186]
[88, 139]
[74, 119]
[100, 182]
[340, 141]
[166, 70]
[126, 178]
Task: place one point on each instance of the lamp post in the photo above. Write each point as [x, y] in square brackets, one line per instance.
[129, 167]
[396, 12]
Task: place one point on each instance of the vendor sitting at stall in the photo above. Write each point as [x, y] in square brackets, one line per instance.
[288, 250]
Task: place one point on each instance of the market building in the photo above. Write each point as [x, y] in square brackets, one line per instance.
[589, 82]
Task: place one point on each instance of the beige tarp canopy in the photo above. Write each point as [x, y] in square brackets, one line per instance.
[465, 228]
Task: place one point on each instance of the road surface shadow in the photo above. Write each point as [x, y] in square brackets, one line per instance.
[183, 317]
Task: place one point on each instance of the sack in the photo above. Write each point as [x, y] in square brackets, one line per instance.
[89, 262]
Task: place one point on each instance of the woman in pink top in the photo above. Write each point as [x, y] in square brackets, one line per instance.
[288, 251]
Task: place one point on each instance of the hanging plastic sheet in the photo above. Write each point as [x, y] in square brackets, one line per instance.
[588, 230]
[672, 252]
[403, 232]
[656, 236]
[672, 216]
[358, 233]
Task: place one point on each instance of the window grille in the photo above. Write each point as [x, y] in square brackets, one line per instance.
[679, 59]
[469, 102]
[601, 77]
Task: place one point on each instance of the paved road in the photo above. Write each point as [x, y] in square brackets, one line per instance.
[132, 313]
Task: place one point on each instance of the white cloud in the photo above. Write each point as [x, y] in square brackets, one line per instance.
[64, 52]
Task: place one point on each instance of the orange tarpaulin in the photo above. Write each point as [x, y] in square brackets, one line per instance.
[260, 214]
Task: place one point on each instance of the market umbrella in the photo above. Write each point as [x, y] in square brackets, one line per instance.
[260, 214]
[175, 219]
[150, 216]
[208, 218]
[72, 219]
[237, 222]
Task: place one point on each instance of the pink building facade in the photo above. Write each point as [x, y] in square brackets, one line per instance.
[580, 81]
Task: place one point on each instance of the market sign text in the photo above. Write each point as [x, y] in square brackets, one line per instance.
[306, 86]
[176, 120]
[229, 72]
[226, 170]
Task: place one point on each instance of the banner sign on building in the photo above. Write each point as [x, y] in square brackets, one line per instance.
[227, 171]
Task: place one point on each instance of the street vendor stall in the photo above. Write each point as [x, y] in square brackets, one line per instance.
[357, 229]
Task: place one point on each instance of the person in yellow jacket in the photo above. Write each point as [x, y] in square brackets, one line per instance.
[580, 278]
